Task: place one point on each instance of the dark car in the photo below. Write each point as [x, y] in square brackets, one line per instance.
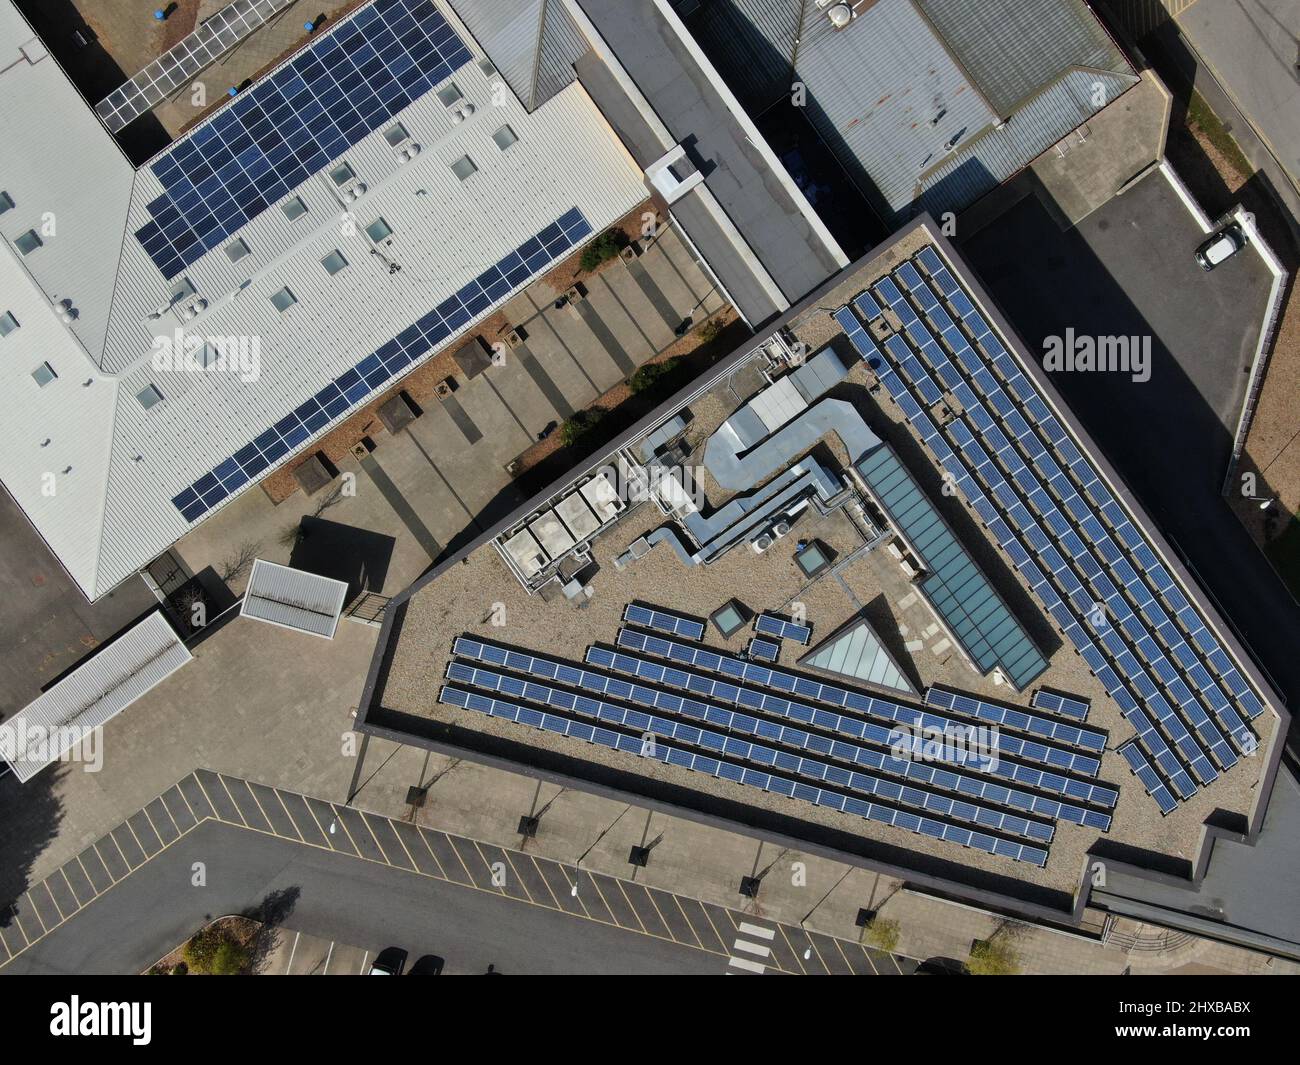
[426, 965]
[388, 962]
[1221, 246]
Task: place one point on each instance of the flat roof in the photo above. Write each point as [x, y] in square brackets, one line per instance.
[1115, 814]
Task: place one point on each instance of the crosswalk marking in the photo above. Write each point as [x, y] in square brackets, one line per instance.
[745, 946]
[747, 965]
[755, 930]
[753, 948]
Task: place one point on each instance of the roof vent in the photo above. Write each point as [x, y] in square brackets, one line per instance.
[840, 15]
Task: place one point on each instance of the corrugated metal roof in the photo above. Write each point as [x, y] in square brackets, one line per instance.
[532, 43]
[97, 690]
[887, 98]
[294, 599]
[93, 469]
[1013, 48]
[1000, 152]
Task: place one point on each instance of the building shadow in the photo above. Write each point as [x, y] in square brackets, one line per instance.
[358, 557]
[91, 68]
[30, 817]
[1166, 442]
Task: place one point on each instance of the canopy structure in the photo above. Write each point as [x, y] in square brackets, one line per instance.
[98, 689]
[294, 599]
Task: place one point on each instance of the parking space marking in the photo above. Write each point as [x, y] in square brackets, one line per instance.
[145, 834]
[304, 820]
[561, 887]
[452, 866]
[78, 879]
[473, 862]
[788, 958]
[537, 881]
[249, 808]
[184, 819]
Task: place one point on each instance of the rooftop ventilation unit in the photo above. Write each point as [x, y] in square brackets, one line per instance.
[839, 14]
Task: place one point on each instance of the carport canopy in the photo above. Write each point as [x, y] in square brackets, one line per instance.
[294, 599]
[96, 690]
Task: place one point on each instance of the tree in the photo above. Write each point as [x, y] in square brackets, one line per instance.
[995, 956]
[882, 933]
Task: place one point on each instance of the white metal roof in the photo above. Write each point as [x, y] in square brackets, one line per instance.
[115, 466]
[98, 689]
[294, 599]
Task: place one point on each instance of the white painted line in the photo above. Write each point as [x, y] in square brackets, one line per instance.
[328, 955]
[288, 969]
[364, 958]
[755, 930]
[752, 948]
[747, 965]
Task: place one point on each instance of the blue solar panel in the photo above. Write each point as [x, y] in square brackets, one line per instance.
[376, 369]
[764, 650]
[1070, 706]
[663, 621]
[771, 625]
[691, 735]
[1142, 770]
[256, 150]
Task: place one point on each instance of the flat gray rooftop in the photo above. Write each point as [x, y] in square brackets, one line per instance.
[696, 114]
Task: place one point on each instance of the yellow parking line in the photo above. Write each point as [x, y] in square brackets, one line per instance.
[436, 861]
[186, 799]
[261, 809]
[57, 908]
[366, 821]
[337, 820]
[798, 958]
[514, 869]
[678, 903]
[280, 799]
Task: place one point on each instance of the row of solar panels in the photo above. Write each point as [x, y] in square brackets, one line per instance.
[725, 743]
[1011, 717]
[1064, 616]
[1066, 705]
[1028, 483]
[344, 86]
[957, 806]
[884, 710]
[1156, 788]
[962, 754]
[725, 770]
[376, 369]
[771, 625]
[663, 621]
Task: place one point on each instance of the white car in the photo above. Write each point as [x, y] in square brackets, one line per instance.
[1221, 247]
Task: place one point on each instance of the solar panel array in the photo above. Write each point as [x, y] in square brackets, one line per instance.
[765, 755]
[256, 150]
[383, 364]
[1152, 651]
[654, 618]
[764, 650]
[771, 625]
[751, 695]
[746, 751]
[954, 584]
[1065, 705]
[1156, 788]
[997, 714]
[212, 39]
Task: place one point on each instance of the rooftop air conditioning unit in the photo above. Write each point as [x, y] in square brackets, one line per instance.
[780, 529]
[761, 543]
[840, 15]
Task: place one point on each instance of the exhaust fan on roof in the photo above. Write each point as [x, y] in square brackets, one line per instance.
[841, 15]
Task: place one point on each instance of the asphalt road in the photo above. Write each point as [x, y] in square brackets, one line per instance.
[335, 896]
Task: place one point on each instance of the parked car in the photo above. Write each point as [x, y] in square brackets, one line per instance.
[388, 962]
[1221, 246]
[426, 965]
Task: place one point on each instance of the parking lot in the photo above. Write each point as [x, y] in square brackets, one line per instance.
[429, 892]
